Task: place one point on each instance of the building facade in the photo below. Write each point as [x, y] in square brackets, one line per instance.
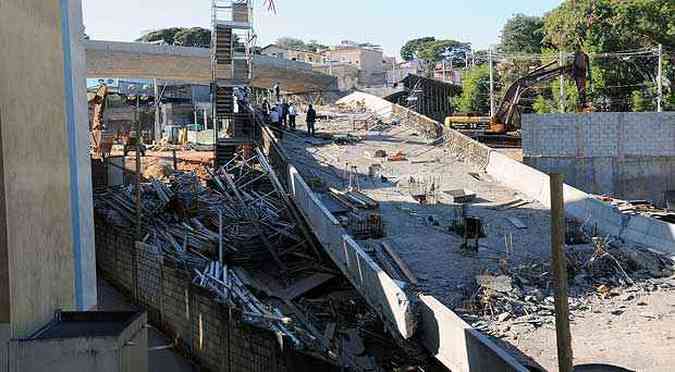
[273, 50]
[370, 62]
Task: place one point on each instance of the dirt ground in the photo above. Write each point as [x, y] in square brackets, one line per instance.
[634, 329]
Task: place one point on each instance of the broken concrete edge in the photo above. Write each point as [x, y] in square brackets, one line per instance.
[590, 212]
[378, 289]
[457, 345]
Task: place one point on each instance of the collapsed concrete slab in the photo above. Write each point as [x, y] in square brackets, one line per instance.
[533, 184]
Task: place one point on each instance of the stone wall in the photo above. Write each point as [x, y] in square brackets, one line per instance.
[628, 155]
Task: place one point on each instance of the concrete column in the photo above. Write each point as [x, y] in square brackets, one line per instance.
[46, 171]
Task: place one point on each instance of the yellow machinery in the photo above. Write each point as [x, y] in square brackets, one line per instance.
[102, 140]
[502, 121]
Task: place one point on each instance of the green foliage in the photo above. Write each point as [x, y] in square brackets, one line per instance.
[315, 46]
[541, 105]
[193, 37]
[607, 26]
[638, 102]
[291, 43]
[476, 90]
[410, 49]
[430, 51]
[522, 34]
[297, 44]
[188, 37]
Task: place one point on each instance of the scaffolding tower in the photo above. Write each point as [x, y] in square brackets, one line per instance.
[232, 43]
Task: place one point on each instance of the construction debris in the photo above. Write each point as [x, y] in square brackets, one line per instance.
[237, 209]
[638, 207]
[524, 294]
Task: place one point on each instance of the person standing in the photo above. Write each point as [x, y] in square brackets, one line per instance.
[311, 121]
[266, 107]
[292, 113]
[277, 91]
[284, 113]
[275, 117]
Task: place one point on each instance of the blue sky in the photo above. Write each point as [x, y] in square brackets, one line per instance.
[329, 21]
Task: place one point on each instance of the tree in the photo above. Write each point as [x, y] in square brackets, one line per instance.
[541, 105]
[522, 34]
[166, 34]
[429, 51]
[193, 37]
[187, 37]
[315, 46]
[291, 43]
[410, 49]
[476, 90]
[638, 101]
[607, 26]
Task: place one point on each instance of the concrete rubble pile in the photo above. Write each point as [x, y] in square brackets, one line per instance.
[524, 294]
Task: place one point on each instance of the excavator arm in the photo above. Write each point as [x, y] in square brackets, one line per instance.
[502, 121]
[99, 104]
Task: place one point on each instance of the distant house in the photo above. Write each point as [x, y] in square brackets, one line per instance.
[371, 62]
[274, 50]
[354, 66]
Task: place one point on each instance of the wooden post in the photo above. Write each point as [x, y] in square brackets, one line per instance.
[139, 210]
[139, 171]
[562, 311]
[175, 160]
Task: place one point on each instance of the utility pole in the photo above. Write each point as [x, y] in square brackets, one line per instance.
[492, 85]
[659, 81]
[562, 311]
[466, 60]
[562, 83]
[158, 130]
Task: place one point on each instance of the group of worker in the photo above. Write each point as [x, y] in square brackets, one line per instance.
[284, 114]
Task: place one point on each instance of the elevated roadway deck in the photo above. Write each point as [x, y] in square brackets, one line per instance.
[148, 61]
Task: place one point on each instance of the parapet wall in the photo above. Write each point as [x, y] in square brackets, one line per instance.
[392, 303]
[625, 154]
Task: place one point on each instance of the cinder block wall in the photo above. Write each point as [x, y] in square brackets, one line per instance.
[625, 154]
[206, 331]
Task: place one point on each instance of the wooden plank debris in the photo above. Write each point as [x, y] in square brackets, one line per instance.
[306, 285]
[401, 264]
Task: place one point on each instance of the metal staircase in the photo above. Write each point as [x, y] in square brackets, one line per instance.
[231, 57]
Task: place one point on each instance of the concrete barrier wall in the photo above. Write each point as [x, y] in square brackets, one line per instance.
[457, 345]
[379, 290]
[637, 230]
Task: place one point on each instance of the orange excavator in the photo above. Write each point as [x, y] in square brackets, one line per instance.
[102, 143]
[503, 120]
